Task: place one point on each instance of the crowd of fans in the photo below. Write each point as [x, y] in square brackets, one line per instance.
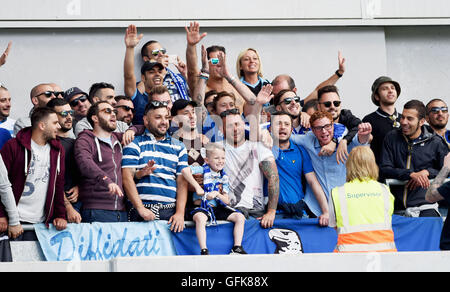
[203, 144]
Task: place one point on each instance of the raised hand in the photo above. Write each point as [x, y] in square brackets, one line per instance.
[4, 56]
[265, 94]
[132, 39]
[364, 133]
[222, 69]
[193, 35]
[341, 62]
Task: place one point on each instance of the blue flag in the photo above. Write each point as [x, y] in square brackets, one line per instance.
[291, 236]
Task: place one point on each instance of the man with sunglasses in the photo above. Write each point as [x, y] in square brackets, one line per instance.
[40, 95]
[287, 101]
[152, 168]
[414, 153]
[329, 172]
[151, 52]
[79, 102]
[100, 91]
[330, 101]
[125, 109]
[437, 118]
[98, 154]
[215, 71]
[72, 174]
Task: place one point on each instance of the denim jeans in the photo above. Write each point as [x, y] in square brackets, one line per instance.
[105, 216]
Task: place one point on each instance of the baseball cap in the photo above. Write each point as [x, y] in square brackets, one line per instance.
[147, 66]
[181, 104]
[377, 83]
[71, 92]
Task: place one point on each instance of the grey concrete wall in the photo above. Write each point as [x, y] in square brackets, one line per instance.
[80, 57]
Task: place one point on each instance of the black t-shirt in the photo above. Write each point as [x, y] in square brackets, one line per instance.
[382, 123]
[72, 174]
[444, 191]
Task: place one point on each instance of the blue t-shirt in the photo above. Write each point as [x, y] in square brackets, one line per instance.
[291, 164]
[5, 135]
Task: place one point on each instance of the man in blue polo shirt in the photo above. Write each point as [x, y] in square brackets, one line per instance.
[293, 161]
[151, 168]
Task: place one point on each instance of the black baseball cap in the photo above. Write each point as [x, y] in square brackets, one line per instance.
[181, 104]
[147, 66]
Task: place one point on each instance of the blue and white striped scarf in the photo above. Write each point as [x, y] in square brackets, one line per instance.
[180, 83]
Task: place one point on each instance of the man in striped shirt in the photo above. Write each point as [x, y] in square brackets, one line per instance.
[151, 168]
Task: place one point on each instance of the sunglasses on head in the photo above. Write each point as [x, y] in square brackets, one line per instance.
[156, 52]
[75, 102]
[233, 111]
[336, 103]
[155, 104]
[435, 110]
[290, 99]
[66, 113]
[126, 108]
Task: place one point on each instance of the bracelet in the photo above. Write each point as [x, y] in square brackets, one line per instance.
[204, 75]
[231, 80]
[338, 74]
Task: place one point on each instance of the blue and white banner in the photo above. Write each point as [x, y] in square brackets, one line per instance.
[105, 241]
[290, 236]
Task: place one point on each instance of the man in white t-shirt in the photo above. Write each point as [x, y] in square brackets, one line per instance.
[247, 163]
[34, 161]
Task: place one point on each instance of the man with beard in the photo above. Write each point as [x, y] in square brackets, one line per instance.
[437, 118]
[330, 101]
[385, 93]
[287, 100]
[79, 102]
[152, 171]
[39, 191]
[98, 153]
[72, 176]
[247, 164]
[413, 153]
[125, 109]
[293, 161]
[100, 91]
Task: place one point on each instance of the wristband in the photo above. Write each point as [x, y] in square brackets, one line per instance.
[338, 74]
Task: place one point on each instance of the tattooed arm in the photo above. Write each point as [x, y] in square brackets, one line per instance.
[270, 171]
[432, 194]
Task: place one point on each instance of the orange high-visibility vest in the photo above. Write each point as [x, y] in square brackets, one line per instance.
[364, 217]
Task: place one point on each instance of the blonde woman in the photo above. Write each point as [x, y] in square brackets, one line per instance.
[249, 70]
[361, 210]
